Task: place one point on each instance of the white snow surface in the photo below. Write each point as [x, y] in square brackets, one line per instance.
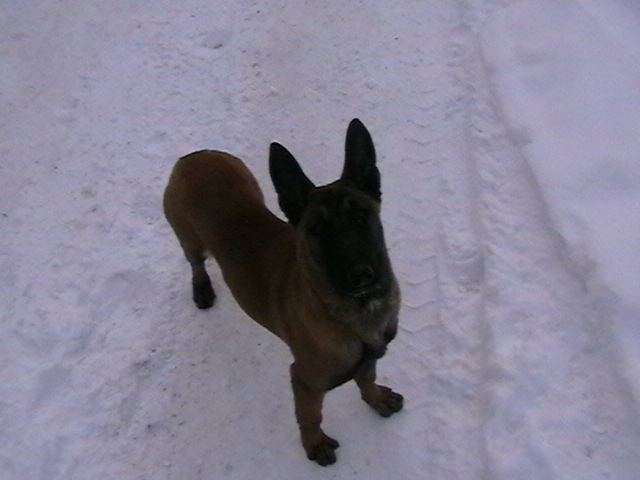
[507, 135]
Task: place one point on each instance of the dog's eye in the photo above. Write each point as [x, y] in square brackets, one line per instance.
[360, 215]
[319, 221]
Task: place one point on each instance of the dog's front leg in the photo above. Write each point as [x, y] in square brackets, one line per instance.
[382, 399]
[308, 403]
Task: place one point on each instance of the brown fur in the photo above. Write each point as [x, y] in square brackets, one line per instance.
[215, 206]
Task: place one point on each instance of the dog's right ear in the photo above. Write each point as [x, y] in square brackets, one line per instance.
[291, 184]
[360, 160]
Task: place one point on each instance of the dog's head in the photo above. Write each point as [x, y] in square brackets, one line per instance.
[339, 223]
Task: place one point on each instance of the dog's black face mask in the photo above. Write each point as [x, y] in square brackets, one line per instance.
[345, 240]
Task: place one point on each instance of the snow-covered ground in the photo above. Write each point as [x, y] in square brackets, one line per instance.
[508, 141]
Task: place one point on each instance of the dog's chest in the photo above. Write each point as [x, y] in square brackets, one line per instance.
[375, 325]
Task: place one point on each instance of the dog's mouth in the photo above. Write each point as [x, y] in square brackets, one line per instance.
[368, 292]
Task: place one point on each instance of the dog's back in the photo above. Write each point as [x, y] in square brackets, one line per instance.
[215, 206]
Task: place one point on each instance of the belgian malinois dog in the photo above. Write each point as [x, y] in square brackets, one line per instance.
[322, 282]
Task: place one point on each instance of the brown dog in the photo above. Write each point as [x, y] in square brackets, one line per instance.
[322, 282]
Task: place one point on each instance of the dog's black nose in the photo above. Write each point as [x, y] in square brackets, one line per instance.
[361, 276]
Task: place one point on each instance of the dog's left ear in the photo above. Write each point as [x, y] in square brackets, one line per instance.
[360, 160]
[291, 184]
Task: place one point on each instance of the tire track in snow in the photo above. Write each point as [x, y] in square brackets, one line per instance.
[411, 96]
[440, 256]
[407, 86]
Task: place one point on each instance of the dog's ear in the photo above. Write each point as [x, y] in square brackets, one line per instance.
[291, 184]
[360, 160]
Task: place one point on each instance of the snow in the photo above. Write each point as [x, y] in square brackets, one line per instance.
[569, 82]
[507, 139]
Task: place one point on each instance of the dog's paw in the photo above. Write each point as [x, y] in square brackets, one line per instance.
[324, 451]
[386, 402]
[203, 295]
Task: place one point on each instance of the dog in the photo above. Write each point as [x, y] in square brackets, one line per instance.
[322, 281]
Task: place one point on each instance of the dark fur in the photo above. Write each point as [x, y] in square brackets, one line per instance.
[323, 282]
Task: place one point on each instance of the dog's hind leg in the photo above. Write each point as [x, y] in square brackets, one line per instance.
[194, 251]
[203, 294]
[382, 399]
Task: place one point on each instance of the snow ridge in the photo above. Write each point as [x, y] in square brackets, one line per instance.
[563, 408]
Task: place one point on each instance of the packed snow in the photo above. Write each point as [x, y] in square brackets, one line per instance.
[510, 160]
